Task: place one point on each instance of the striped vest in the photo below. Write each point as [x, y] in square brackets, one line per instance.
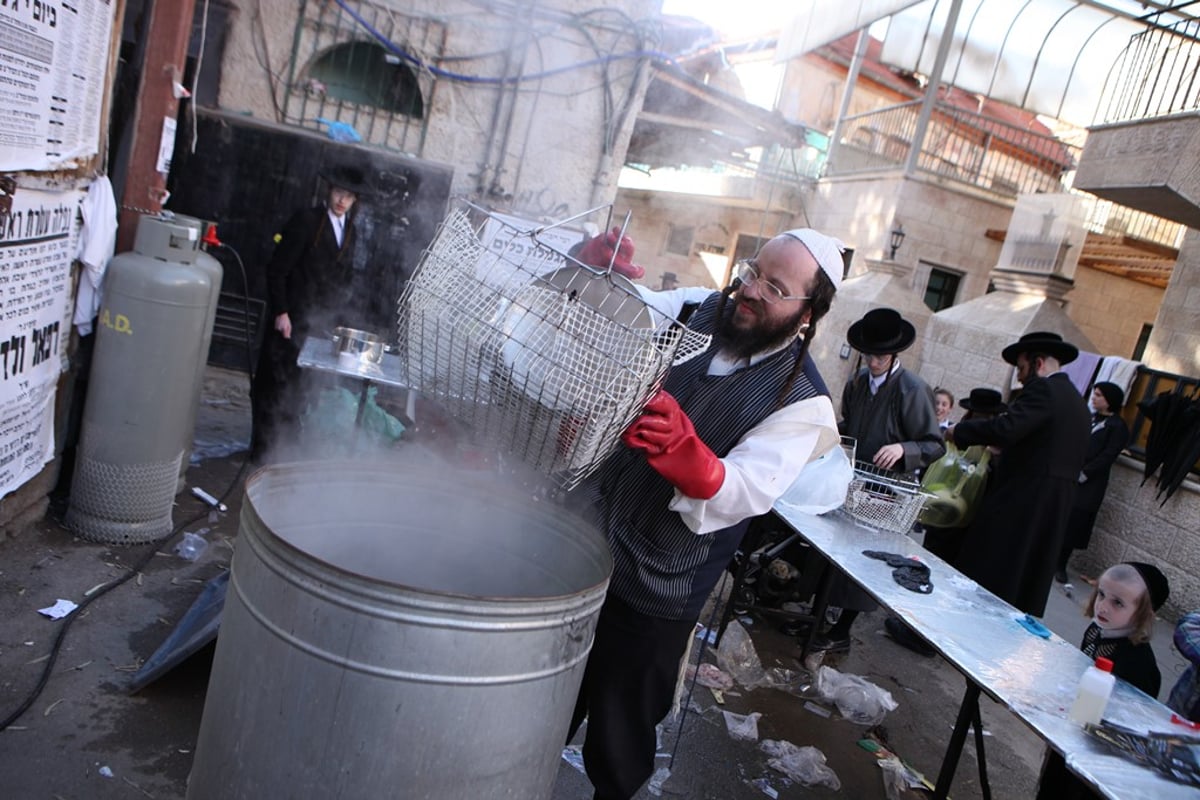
[660, 567]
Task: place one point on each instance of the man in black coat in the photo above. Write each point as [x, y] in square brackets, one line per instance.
[309, 288]
[1013, 544]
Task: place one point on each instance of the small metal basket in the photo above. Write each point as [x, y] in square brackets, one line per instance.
[546, 358]
[884, 499]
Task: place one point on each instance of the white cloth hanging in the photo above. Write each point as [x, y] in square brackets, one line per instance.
[97, 241]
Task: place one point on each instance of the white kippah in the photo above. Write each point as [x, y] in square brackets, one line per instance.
[825, 249]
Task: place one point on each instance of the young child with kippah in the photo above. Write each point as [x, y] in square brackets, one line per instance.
[1122, 609]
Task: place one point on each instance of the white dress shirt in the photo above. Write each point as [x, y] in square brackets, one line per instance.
[766, 461]
[339, 227]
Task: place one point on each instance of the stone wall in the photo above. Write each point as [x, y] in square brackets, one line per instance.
[1111, 310]
[716, 228]
[544, 148]
[1175, 342]
[1133, 526]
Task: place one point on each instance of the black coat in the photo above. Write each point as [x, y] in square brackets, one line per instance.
[310, 277]
[1109, 437]
[1013, 544]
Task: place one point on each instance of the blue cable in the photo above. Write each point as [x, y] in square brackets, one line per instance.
[441, 73]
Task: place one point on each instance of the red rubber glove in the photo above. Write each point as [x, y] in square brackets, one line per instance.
[665, 434]
[598, 252]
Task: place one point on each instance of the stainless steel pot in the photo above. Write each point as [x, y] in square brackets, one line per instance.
[362, 345]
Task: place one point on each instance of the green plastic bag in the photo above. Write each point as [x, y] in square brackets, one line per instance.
[955, 484]
[332, 418]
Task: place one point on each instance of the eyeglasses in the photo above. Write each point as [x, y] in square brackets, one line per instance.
[749, 275]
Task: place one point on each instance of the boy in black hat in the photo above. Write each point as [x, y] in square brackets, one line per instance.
[309, 287]
[1109, 436]
[1013, 544]
[890, 413]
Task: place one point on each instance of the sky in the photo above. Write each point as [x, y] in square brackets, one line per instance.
[735, 17]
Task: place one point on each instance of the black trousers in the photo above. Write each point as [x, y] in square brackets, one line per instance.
[275, 394]
[628, 686]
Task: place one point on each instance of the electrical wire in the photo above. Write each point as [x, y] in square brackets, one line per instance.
[686, 704]
[155, 545]
[425, 66]
[69, 619]
[196, 73]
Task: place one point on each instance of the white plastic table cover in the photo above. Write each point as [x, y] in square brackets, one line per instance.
[977, 632]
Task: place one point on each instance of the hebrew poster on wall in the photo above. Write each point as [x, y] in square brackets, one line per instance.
[38, 241]
[53, 65]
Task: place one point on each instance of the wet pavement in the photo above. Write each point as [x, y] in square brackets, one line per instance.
[85, 736]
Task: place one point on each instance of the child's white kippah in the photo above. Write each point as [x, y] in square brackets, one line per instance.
[825, 249]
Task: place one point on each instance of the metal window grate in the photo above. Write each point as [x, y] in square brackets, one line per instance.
[366, 91]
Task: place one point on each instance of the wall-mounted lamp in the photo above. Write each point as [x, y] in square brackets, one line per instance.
[896, 240]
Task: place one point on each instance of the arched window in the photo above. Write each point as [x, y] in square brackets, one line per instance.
[366, 74]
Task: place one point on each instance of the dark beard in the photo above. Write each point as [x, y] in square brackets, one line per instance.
[762, 337]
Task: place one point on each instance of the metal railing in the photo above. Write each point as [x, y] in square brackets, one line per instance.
[1158, 73]
[1109, 219]
[960, 145]
[361, 82]
[1149, 384]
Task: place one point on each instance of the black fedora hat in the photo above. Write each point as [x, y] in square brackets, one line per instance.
[1047, 342]
[881, 331]
[984, 401]
[352, 179]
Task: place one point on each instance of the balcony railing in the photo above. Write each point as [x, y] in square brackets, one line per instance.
[959, 145]
[986, 153]
[1148, 384]
[1157, 74]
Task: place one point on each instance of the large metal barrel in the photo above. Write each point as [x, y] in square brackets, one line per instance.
[394, 632]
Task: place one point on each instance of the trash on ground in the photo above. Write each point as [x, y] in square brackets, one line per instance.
[573, 755]
[105, 772]
[191, 546]
[794, 681]
[59, 610]
[897, 778]
[805, 765]
[719, 696]
[742, 726]
[657, 780]
[737, 657]
[710, 676]
[709, 636]
[764, 786]
[856, 698]
[820, 711]
[208, 498]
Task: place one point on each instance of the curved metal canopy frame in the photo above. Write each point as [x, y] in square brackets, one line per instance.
[1050, 57]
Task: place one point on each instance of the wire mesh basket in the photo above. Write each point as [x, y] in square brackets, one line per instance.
[883, 499]
[545, 357]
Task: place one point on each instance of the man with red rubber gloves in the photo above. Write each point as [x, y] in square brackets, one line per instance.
[599, 252]
[727, 435]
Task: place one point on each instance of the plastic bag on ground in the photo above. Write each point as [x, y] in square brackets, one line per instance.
[742, 726]
[897, 778]
[737, 657]
[856, 698]
[710, 676]
[805, 765]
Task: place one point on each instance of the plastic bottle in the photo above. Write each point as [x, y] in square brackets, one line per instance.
[1095, 687]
